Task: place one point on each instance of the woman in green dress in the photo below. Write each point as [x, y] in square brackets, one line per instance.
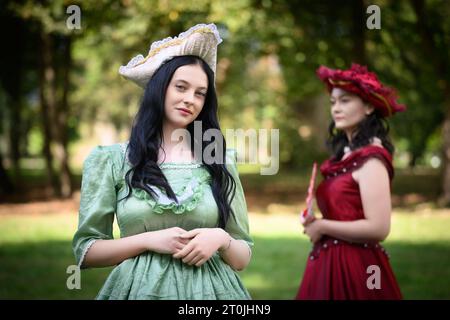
[182, 218]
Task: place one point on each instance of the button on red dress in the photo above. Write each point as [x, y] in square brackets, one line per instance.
[337, 269]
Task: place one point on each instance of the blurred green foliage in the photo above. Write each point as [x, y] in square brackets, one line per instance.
[266, 68]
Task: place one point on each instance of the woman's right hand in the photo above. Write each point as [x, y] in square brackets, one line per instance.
[166, 241]
[309, 219]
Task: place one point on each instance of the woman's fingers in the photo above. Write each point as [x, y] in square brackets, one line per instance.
[190, 234]
[200, 262]
[179, 245]
[308, 220]
[183, 252]
[306, 231]
[179, 230]
[190, 257]
[183, 240]
[196, 260]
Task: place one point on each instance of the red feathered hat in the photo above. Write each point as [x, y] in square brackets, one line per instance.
[360, 81]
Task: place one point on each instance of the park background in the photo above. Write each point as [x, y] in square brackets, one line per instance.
[61, 95]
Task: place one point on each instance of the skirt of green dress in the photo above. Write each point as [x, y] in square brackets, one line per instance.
[153, 276]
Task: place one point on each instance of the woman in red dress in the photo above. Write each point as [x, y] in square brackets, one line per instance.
[347, 260]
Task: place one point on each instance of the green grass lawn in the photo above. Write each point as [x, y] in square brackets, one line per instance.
[35, 251]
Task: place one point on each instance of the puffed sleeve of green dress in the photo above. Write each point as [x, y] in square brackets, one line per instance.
[97, 202]
[238, 227]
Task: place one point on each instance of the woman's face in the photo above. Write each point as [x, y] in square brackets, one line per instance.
[185, 95]
[348, 110]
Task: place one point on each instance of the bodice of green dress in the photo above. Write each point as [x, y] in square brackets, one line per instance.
[103, 187]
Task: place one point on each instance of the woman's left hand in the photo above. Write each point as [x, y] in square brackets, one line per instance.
[314, 230]
[204, 242]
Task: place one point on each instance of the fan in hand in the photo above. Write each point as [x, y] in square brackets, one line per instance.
[308, 213]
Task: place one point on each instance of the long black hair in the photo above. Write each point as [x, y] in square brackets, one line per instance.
[147, 136]
[374, 125]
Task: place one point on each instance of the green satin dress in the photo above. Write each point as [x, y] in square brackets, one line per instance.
[152, 275]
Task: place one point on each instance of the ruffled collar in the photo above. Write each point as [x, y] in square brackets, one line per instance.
[180, 165]
[188, 196]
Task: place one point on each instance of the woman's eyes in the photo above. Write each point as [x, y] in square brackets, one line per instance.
[342, 101]
[183, 88]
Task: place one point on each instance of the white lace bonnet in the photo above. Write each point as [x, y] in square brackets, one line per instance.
[201, 40]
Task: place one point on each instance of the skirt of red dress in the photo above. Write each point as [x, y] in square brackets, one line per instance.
[338, 270]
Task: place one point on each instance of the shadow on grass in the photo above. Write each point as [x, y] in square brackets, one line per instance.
[38, 270]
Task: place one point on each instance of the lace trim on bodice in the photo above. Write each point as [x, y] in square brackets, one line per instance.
[188, 196]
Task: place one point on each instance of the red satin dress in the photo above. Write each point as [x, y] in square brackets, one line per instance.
[337, 269]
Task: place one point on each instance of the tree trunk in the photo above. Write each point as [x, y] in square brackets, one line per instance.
[440, 64]
[11, 78]
[61, 134]
[48, 101]
[412, 161]
[358, 32]
[445, 196]
[6, 185]
[15, 134]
